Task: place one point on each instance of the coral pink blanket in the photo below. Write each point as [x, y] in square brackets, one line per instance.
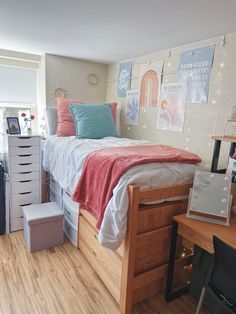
[103, 168]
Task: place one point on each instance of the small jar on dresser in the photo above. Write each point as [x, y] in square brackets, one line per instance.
[22, 154]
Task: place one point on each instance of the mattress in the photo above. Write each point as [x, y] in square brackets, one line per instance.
[64, 157]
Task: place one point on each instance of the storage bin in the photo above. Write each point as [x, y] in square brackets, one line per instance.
[43, 226]
[71, 232]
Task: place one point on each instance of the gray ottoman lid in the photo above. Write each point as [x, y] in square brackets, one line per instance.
[39, 213]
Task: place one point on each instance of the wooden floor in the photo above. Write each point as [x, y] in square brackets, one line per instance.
[59, 280]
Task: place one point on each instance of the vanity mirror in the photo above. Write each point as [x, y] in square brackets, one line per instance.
[210, 199]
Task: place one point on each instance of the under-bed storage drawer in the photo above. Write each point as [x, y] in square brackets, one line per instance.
[106, 263]
[54, 197]
[69, 202]
[55, 186]
[71, 216]
[71, 232]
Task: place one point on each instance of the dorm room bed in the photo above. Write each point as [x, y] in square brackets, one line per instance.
[137, 269]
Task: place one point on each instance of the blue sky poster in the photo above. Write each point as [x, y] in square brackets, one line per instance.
[124, 78]
[195, 69]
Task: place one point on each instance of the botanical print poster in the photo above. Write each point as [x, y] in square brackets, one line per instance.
[132, 107]
[124, 78]
[195, 69]
[171, 111]
[150, 81]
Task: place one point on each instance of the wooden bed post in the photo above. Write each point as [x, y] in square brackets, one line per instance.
[127, 275]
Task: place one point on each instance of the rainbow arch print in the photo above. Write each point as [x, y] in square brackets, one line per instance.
[149, 89]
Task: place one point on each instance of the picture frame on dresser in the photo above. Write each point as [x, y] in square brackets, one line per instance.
[13, 125]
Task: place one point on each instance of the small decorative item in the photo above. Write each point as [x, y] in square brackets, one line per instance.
[27, 127]
[59, 91]
[210, 198]
[93, 79]
[13, 125]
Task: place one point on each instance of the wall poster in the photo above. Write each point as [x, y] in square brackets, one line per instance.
[195, 69]
[171, 111]
[124, 78]
[132, 107]
[150, 83]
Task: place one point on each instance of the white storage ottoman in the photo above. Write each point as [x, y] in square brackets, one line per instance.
[43, 226]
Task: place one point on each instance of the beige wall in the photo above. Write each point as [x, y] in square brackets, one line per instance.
[202, 120]
[72, 74]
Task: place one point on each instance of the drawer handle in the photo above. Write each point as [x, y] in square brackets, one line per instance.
[26, 164]
[21, 216]
[24, 146]
[28, 155]
[67, 193]
[95, 236]
[67, 210]
[24, 138]
[26, 204]
[26, 172]
[23, 193]
[25, 181]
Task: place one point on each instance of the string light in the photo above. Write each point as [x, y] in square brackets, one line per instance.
[144, 126]
[222, 64]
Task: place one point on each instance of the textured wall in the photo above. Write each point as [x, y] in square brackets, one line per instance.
[72, 74]
[201, 120]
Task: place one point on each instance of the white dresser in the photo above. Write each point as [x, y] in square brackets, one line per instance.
[23, 160]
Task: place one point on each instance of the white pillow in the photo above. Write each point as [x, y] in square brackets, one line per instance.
[51, 120]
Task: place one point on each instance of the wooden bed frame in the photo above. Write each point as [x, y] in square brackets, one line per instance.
[137, 270]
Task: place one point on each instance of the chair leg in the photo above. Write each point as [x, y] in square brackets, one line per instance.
[199, 306]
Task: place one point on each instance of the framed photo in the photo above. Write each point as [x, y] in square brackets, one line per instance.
[13, 125]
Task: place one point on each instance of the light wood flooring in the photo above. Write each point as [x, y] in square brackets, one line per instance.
[59, 280]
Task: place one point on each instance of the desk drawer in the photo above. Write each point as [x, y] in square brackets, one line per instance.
[23, 141]
[25, 158]
[105, 262]
[24, 150]
[24, 167]
[19, 200]
[16, 177]
[24, 186]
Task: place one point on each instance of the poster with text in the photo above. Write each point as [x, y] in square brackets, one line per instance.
[124, 78]
[171, 109]
[195, 69]
[132, 107]
[150, 82]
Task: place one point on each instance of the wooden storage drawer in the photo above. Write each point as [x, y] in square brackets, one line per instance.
[55, 186]
[24, 186]
[71, 216]
[25, 167]
[19, 200]
[106, 263]
[68, 201]
[25, 158]
[24, 141]
[16, 224]
[71, 232]
[25, 176]
[24, 150]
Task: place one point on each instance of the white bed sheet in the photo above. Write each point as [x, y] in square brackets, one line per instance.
[64, 157]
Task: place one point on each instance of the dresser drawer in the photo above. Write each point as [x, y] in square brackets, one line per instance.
[55, 186]
[71, 216]
[24, 141]
[25, 176]
[24, 186]
[19, 200]
[71, 232]
[16, 224]
[26, 158]
[24, 150]
[69, 203]
[105, 262]
[25, 167]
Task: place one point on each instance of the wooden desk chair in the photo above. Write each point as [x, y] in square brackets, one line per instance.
[222, 283]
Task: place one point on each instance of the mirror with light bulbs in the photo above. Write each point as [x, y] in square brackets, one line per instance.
[210, 198]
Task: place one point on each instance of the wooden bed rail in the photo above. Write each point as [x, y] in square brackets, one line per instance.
[129, 280]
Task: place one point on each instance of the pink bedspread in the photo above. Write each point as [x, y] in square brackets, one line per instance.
[103, 168]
